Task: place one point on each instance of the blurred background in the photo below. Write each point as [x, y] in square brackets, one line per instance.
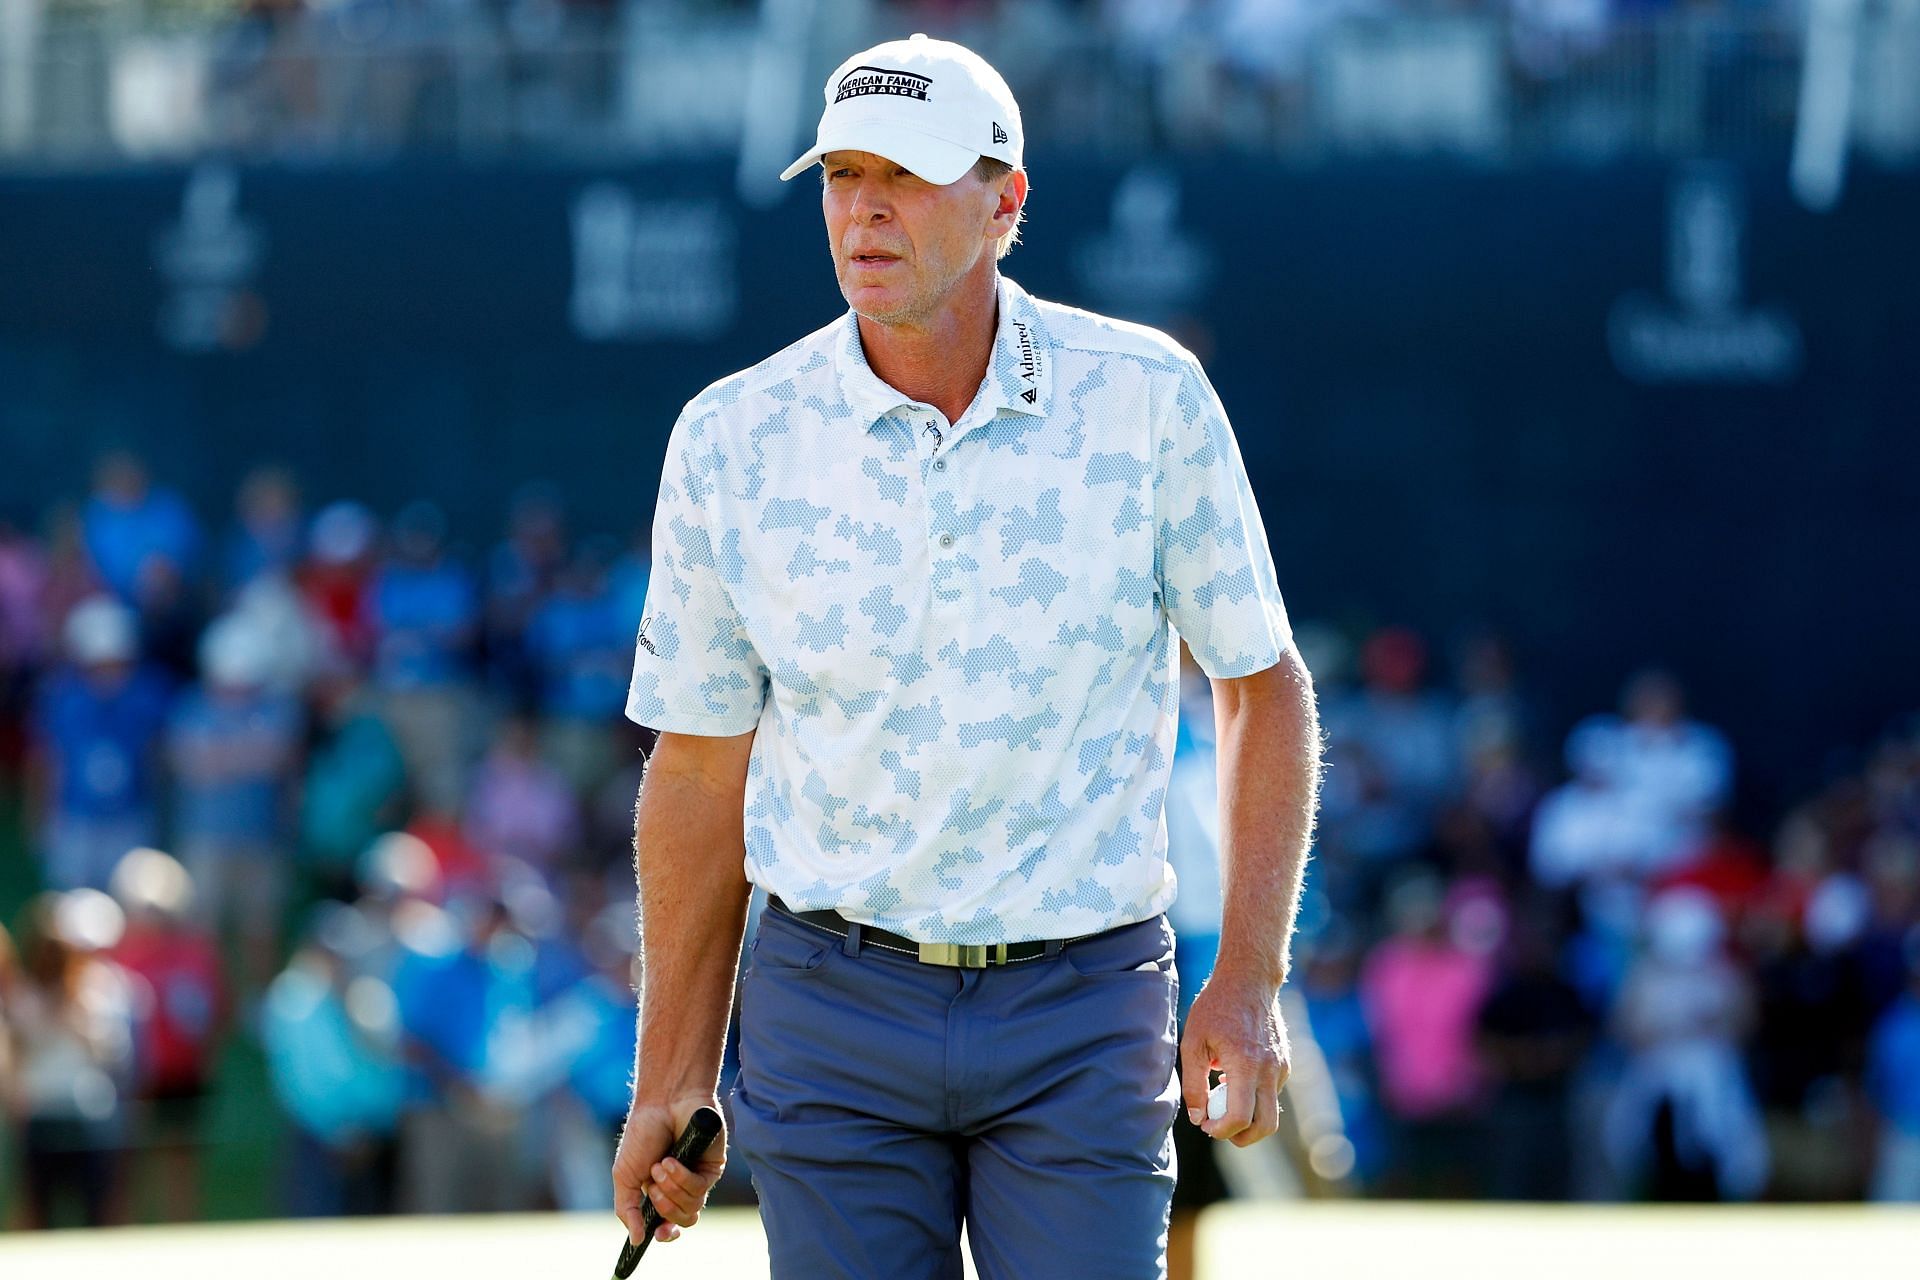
[1571, 345]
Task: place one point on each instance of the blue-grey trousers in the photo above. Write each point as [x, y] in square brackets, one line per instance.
[882, 1102]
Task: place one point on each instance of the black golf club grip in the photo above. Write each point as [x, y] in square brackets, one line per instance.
[692, 1143]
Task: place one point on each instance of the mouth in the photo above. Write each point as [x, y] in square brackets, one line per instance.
[871, 259]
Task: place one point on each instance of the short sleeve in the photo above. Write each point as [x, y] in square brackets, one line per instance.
[1216, 574]
[694, 668]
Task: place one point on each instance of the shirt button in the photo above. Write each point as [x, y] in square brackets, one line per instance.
[939, 464]
[946, 540]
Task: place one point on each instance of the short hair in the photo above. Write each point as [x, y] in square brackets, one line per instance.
[988, 169]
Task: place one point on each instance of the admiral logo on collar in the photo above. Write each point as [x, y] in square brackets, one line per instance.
[1029, 361]
[864, 81]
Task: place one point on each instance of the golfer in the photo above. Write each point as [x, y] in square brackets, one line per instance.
[909, 644]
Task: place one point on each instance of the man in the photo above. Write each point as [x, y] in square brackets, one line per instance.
[907, 643]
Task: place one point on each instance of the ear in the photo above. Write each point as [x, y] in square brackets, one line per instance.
[1013, 198]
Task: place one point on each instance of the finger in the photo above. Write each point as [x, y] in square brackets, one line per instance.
[1240, 1090]
[678, 1212]
[676, 1203]
[627, 1200]
[667, 1233]
[1266, 1115]
[1193, 1076]
[696, 1181]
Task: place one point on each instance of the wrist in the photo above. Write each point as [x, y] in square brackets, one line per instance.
[1259, 973]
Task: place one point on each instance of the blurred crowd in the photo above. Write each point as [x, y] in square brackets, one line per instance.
[1532, 979]
[342, 790]
[395, 795]
[320, 75]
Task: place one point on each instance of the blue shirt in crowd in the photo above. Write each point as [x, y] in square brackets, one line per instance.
[582, 647]
[243, 803]
[102, 742]
[425, 616]
[121, 538]
[333, 1078]
[1893, 1064]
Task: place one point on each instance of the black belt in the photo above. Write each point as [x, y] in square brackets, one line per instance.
[957, 955]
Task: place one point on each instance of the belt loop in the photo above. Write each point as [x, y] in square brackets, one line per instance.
[852, 945]
[1054, 947]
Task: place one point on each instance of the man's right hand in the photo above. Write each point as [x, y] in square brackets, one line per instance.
[642, 1170]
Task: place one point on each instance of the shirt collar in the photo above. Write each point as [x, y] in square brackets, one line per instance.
[1019, 372]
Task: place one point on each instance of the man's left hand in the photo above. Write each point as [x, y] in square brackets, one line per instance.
[1235, 1028]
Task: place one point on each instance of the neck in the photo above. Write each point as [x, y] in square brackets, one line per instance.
[941, 360]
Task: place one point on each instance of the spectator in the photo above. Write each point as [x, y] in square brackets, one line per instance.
[138, 535]
[1671, 771]
[1391, 761]
[1590, 830]
[1407, 729]
[355, 786]
[1533, 1033]
[1810, 1041]
[24, 625]
[579, 646]
[179, 999]
[426, 623]
[601, 1011]
[520, 808]
[70, 1019]
[465, 973]
[1893, 1082]
[267, 534]
[335, 580]
[522, 573]
[1422, 989]
[331, 1033]
[1329, 984]
[96, 731]
[1683, 1123]
[234, 745]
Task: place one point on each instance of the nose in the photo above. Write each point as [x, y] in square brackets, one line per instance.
[869, 202]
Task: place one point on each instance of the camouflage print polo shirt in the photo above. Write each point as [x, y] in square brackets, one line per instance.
[954, 642]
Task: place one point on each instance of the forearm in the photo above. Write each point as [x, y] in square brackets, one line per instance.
[1269, 767]
[689, 854]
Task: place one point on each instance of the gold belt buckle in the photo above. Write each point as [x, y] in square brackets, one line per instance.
[963, 955]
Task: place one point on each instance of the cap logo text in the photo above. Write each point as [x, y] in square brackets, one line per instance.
[999, 134]
[864, 81]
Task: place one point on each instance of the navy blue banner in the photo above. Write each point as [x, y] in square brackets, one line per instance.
[1627, 413]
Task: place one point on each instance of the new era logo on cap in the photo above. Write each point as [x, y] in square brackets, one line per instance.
[924, 104]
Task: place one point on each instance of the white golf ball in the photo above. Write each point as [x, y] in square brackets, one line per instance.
[1217, 1101]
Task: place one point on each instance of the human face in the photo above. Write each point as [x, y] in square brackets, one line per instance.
[902, 245]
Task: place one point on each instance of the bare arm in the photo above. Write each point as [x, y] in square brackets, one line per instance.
[1269, 761]
[689, 850]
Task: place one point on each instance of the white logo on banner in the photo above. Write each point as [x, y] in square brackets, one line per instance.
[1703, 333]
[209, 259]
[651, 268]
[1144, 264]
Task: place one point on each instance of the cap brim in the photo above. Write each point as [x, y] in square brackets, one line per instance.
[935, 159]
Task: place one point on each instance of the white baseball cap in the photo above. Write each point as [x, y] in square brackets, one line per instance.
[930, 106]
